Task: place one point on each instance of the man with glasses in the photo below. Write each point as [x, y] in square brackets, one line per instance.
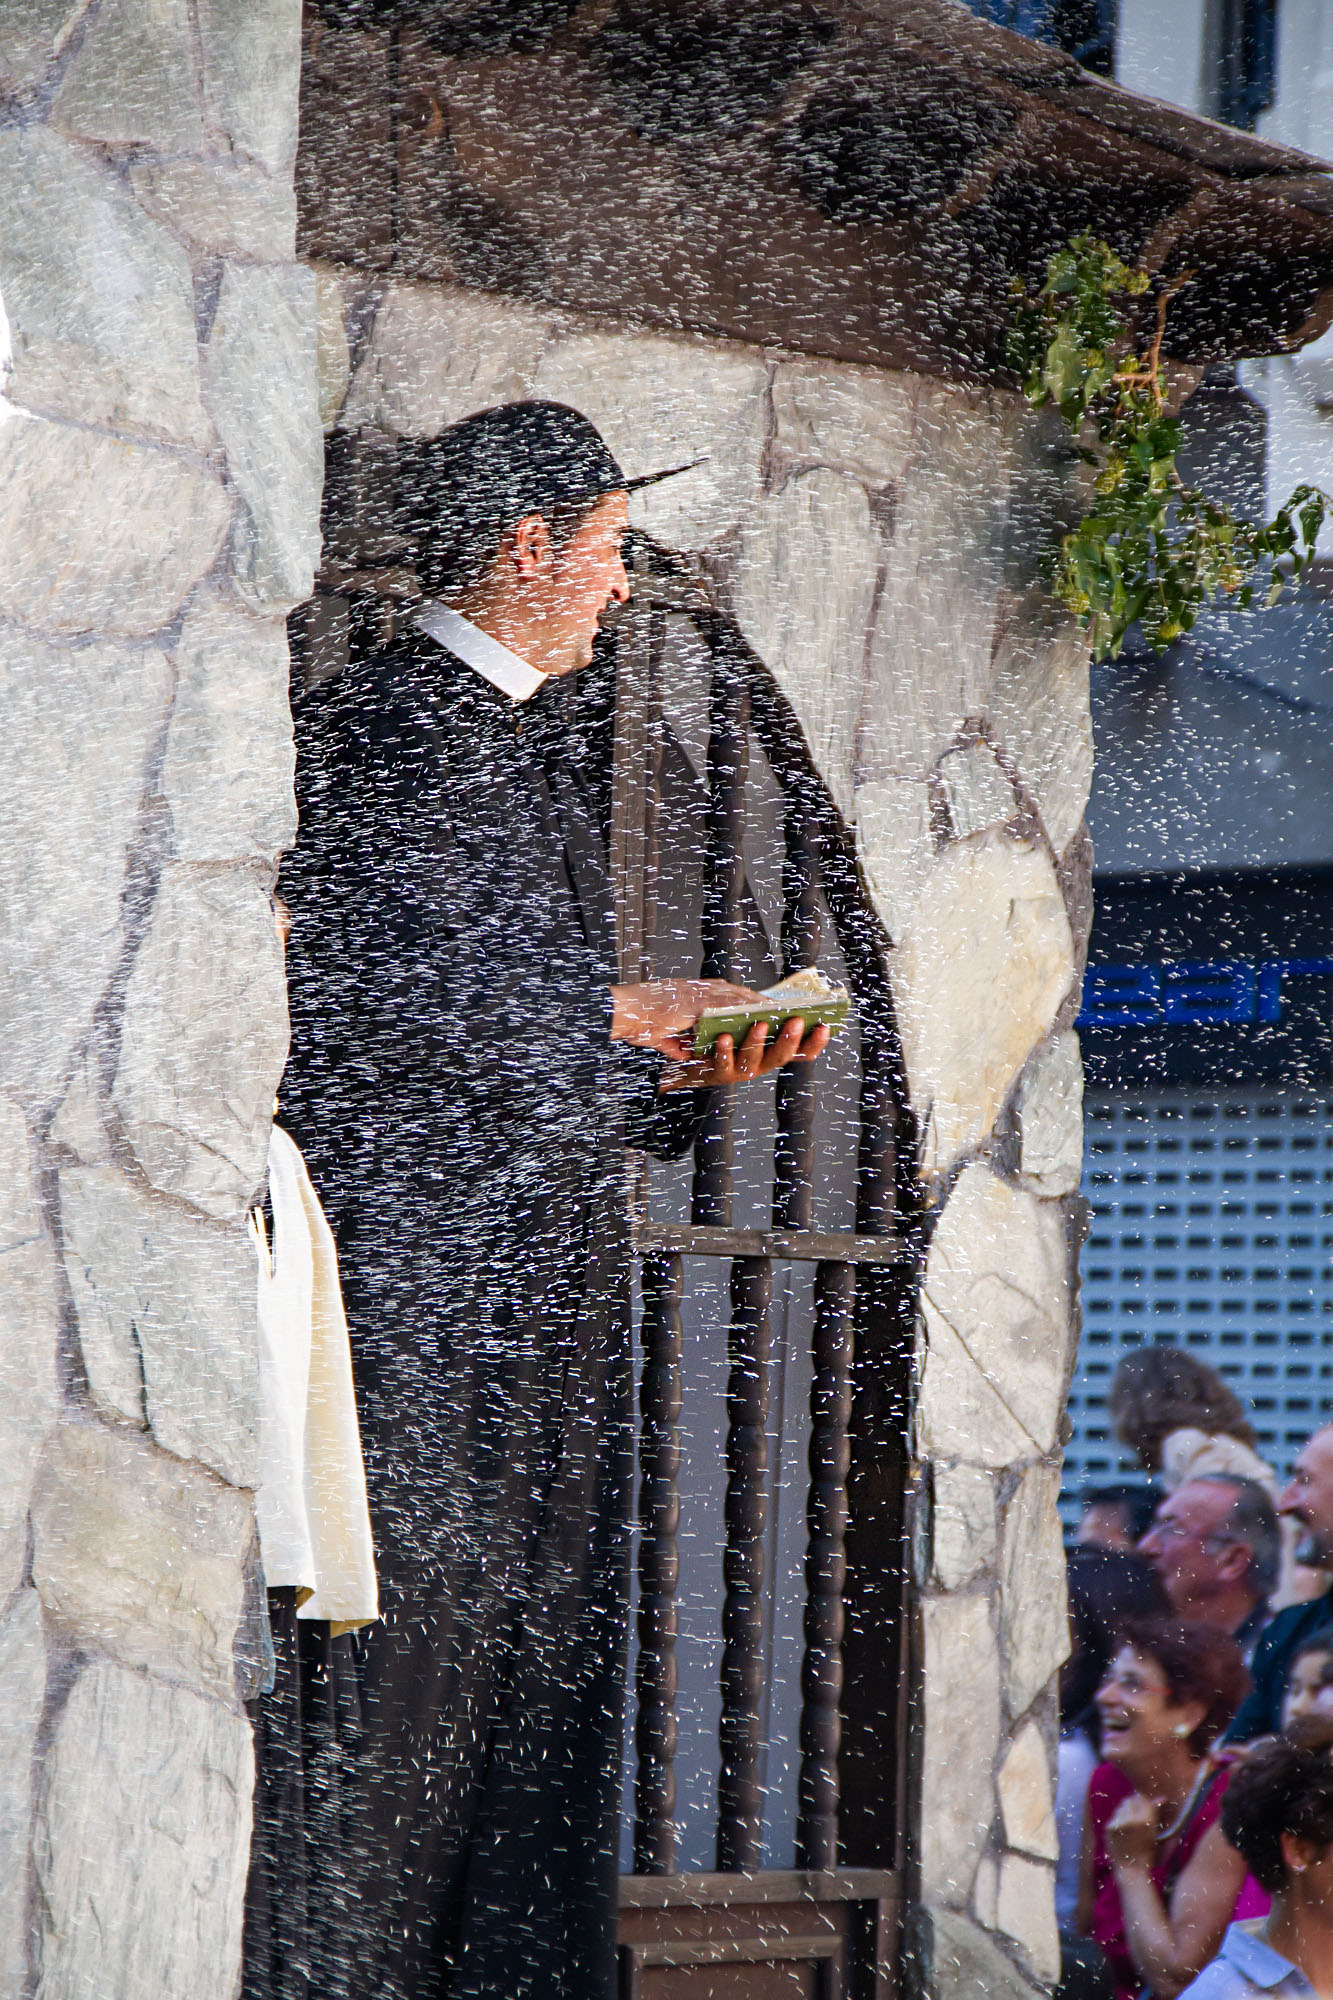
[1215, 1544]
[1307, 1499]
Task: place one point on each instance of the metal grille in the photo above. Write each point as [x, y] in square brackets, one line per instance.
[1212, 1228]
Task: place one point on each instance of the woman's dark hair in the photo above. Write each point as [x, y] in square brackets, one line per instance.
[1200, 1662]
[1106, 1586]
[1280, 1788]
[1157, 1390]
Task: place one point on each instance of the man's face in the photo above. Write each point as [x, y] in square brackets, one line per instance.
[1190, 1549]
[1308, 1499]
[572, 585]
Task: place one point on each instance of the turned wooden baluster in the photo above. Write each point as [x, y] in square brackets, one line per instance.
[740, 1803]
[724, 881]
[825, 1567]
[793, 1156]
[659, 1568]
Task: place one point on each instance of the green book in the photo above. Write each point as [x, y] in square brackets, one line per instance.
[807, 994]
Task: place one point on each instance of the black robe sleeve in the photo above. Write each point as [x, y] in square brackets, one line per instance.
[663, 1124]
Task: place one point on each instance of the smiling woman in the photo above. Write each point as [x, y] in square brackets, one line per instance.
[1160, 1881]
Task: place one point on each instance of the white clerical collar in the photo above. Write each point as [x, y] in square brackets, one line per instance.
[476, 649]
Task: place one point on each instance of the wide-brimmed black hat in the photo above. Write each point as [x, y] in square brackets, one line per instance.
[522, 458]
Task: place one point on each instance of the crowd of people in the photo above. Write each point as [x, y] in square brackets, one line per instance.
[1195, 1780]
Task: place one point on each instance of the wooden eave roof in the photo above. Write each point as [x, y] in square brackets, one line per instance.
[860, 179]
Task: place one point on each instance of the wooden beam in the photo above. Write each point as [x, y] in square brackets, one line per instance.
[793, 1246]
[777, 1885]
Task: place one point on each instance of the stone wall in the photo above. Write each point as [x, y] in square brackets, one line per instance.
[160, 467]
[877, 535]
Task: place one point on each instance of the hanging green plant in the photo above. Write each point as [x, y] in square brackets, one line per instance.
[1150, 550]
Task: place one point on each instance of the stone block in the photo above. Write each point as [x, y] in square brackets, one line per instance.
[29, 1390]
[435, 355]
[141, 1556]
[80, 726]
[20, 1216]
[929, 663]
[29, 1332]
[804, 587]
[660, 401]
[1039, 709]
[961, 1676]
[78, 1129]
[333, 355]
[131, 81]
[986, 1892]
[857, 420]
[984, 961]
[894, 840]
[97, 534]
[105, 332]
[162, 1781]
[23, 1679]
[996, 1307]
[976, 789]
[252, 75]
[204, 1040]
[220, 206]
[1049, 1109]
[31, 36]
[166, 1316]
[1026, 1801]
[227, 776]
[1034, 1617]
[1075, 877]
[1025, 1911]
[963, 1532]
[263, 390]
[965, 1964]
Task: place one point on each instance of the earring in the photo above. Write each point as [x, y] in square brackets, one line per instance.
[1182, 1729]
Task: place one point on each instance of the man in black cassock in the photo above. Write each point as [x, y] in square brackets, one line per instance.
[465, 1071]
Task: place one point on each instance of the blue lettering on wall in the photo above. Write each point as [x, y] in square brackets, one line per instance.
[1121, 996]
[1208, 992]
[1192, 993]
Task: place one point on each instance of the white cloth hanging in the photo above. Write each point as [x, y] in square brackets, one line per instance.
[314, 1523]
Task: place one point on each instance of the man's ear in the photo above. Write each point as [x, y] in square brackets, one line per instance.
[1236, 1562]
[530, 545]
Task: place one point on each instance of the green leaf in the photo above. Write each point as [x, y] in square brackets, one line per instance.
[1149, 549]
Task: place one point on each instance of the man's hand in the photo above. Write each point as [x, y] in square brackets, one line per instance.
[661, 1013]
[756, 1056]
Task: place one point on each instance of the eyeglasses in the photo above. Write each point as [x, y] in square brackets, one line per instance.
[1172, 1533]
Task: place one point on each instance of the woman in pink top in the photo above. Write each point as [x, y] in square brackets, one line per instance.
[1160, 1882]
